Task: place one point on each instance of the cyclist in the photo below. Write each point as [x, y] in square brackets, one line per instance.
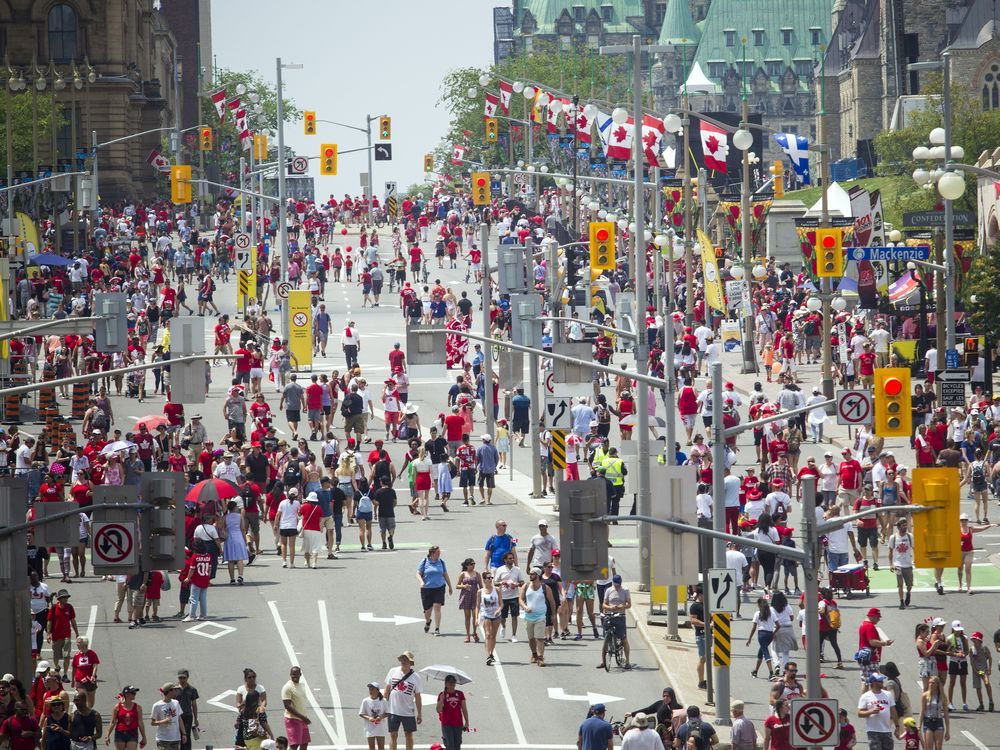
[616, 601]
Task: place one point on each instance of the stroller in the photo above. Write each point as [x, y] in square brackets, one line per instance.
[134, 384]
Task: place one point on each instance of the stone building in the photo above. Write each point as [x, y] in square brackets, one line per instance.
[111, 64]
[589, 23]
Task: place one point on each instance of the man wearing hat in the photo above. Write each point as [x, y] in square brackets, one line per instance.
[870, 638]
[403, 686]
[166, 717]
[187, 696]
[641, 735]
[61, 620]
[595, 733]
[981, 663]
[878, 709]
[194, 435]
[617, 600]
[901, 560]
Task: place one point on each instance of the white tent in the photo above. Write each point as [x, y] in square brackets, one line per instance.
[697, 82]
[838, 202]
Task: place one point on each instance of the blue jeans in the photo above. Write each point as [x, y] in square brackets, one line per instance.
[199, 596]
[835, 559]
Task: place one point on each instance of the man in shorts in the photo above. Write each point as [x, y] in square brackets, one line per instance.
[901, 560]
[402, 688]
[486, 464]
[293, 400]
[385, 496]
[867, 528]
[509, 579]
[293, 696]
[467, 459]
[616, 600]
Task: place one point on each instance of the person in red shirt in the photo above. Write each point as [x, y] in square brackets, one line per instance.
[206, 460]
[866, 366]
[314, 405]
[175, 420]
[223, 334]
[397, 358]
[85, 663]
[466, 454]
[778, 728]
[453, 713]
[50, 491]
[61, 620]
[868, 637]
[867, 526]
[82, 490]
[416, 258]
[176, 460]
[21, 729]
[260, 411]
[850, 479]
[154, 587]
[454, 426]
[809, 470]
[197, 574]
[241, 366]
[145, 444]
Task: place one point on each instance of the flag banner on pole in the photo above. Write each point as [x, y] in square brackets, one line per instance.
[710, 270]
[583, 125]
[158, 161]
[797, 149]
[714, 146]
[552, 115]
[620, 140]
[506, 91]
[457, 154]
[242, 121]
[537, 110]
[652, 138]
[219, 100]
[234, 106]
[604, 125]
[246, 139]
[492, 101]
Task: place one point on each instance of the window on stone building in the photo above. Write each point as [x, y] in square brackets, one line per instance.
[730, 37]
[62, 33]
[786, 37]
[716, 69]
[578, 11]
[758, 37]
[991, 88]
[606, 11]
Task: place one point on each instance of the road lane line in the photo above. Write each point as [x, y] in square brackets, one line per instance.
[329, 670]
[974, 740]
[337, 740]
[91, 621]
[515, 719]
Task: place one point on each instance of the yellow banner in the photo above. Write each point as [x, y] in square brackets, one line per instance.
[29, 235]
[537, 110]
[300, 328]
[710, 270]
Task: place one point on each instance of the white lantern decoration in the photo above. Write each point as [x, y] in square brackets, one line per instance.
[759, 272]
[672, 123]
[815, 304]
[632, 227]
[529, 92]
[619, 115]
[612, 217]
[590, 111]
[951, 186]
[623, 224]
[517, 86]
[937, 136]
[647, 236]
[520, 163]
[921, 176]
[660, 240]
[736, 272]
[484, 80]
[742, 139]
[921, 153]
[602, 214]
[241, 89]
[545, 167]
[543, 99]
[895, 235]
[957, 152]
[937, 152]
[839, 304]
[593, 205]
[531, 167]
[679, 251]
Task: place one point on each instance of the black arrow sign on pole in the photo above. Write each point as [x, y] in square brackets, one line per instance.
[383, 152]
[727, 584]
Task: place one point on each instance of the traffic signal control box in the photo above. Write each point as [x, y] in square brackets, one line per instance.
[893, 402]
[602, 246]
[180, 183]
[111, 331]
[309, 123]
[830, 252]
[481, 194]
[937, 532]
[584, 543]
[205, 139]
[385, 128]
[162, 526]
[328, 159]
[492, 131]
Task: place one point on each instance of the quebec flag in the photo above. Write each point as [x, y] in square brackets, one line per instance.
[797, 148]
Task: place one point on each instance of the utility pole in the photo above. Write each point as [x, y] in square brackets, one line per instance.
[484, 238]
[720, 675]
[371, 177]
[824, 221]
[949, 212]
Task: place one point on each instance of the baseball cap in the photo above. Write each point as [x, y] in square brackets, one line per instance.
[875, 677]
[957, 625]
[964, 517]
[598, 708]
[616, 579]
[542, 522]
[874, 612]
[374, 685]
[976, 636]
[167, 687]
[43, 666]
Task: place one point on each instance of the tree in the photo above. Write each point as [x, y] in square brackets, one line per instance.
[22, 131]
[983, 281]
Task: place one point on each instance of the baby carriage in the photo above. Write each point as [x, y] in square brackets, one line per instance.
[134, 383]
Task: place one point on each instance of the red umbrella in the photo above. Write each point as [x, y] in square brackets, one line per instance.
[210, 493]
[152, 422]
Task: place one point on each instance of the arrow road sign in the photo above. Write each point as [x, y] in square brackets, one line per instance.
[298, 165]
[557, 413]
[114, 544]
[723, 590]
[918, 252]
[383, 152]
[814, 723]
[395, 619]
[283, 289]
[592, 699]
[854, 407]
[243, 260]
[956, 374]
[242, 241]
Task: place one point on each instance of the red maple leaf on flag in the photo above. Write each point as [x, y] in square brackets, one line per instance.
[649, 139]
[712, 143]
[581, 122]
[620, 133]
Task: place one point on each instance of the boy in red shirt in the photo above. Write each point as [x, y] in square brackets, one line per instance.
[197, 573]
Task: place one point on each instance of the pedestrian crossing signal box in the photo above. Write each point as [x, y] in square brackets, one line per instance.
[830, 252]
[937, 532]
[971, 351]
[180, 183]
[328, 159]
[602, 246]
[893, 402]
[481, 192]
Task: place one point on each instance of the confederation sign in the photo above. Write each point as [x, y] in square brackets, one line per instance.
[920, 252]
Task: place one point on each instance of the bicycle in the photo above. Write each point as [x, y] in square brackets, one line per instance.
[614, 645]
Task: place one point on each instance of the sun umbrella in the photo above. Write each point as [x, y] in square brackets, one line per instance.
[115, 447]
[152, 422]
[633, 419]
[212, 491]
[49, 259]
[440, 671]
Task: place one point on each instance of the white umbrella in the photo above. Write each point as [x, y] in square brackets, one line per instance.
[118, 445]
[440, 671]
[633, 419]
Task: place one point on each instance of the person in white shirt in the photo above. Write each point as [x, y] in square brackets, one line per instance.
[227, 470]
[713, 351]
[703, 503]
[738, 563]
[878, 708]
[374, 710]
[839, 542]
[642, 736]
[166, 717]
[288, 526]
[22, 456]
[880, 340]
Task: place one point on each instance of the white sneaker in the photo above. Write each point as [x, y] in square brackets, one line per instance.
[513, 639]
[203, 617]
[189, 618]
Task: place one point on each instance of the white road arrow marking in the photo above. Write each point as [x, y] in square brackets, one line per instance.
[559, 694]
[395, 619]
[223, 701]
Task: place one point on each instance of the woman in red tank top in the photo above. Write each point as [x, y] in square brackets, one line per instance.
[126, 722]
[965, 534]
[687, 405]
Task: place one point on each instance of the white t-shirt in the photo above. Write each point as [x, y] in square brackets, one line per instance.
[509, 581]
[167, 710]
[829, 476]
[736, 561]
[241, 691]
[543, 546]
[375, 707]
[703, 501]
[401, 699]
[764, 625]
[902, 550]
[882, 721]
[39, 598]
[206, 532]
[880, 338]
[837, 539]
[288, 510]
[641, 739]
[731, 485]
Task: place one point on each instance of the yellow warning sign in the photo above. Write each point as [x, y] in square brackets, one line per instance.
[300, 328]
[721, 640]
[557, 449]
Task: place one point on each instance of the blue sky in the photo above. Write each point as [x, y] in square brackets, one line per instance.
[371, 57]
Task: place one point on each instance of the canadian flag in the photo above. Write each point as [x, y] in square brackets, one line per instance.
[240, 117]
[506, 91]
[234, 106]
[457, 154]
[652, 137]
[246, 139]
[552, 115]
[219, 100]
[714, 146]
[620, 140]
[158, 161]
[583, 125]
[492, 100]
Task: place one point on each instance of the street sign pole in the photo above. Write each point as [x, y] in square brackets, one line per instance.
[484, 238]
[720, 674]
[810, 572]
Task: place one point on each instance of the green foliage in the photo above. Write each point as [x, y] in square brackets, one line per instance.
[983, 281]
[21, 130]
[227, 150]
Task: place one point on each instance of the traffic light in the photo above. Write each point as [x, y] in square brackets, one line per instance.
[830, 252]
[162, 527]
[481, 188]
[893, 402]
[429, 162]
[260, 147]
[584, 544]
[385, 127]
[602, 246]
[936, 532]
[778, 170]
[111, 331]
[328, 159]
[180, 183]
[205, 140]
[971, 351]
[491, 129]
[309, 123]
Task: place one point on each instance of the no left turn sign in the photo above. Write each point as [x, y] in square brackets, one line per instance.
[854, 407]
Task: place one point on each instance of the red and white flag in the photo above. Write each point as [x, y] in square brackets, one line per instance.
[219, 100]
[620, 140]
[246, 139]
[652, 138]
[234, 106]
[158, 161]
[457, 154]
[583, 124]
[240, 118]
[492, 100]
[714, 146]
[506, 91]
[555, 107]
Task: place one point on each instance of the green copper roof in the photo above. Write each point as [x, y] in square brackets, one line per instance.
[678, 25]
[784, 33]
[547, 12]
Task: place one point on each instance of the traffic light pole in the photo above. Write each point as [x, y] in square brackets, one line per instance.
[21, 332]
[371, 177]
[484, 238]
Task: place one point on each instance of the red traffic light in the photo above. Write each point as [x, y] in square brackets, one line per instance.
[328, 152]
[481, 182]
[892, 386]
[829, 242]
[310, 116]
[602, 235]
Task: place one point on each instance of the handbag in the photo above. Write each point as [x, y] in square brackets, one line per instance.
[166, 583]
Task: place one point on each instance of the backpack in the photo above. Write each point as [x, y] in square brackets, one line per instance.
[292, 474]
[365, 504]
[978, 474]
[833, 616]
[100, 420]
[863, 656]
[695, 732]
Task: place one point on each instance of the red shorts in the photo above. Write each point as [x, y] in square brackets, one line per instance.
[572, 472]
